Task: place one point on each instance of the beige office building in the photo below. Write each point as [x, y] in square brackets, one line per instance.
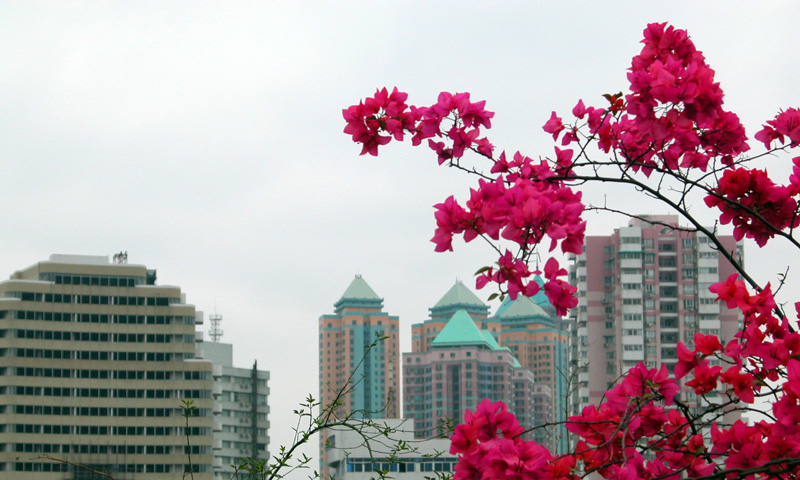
[95, 359]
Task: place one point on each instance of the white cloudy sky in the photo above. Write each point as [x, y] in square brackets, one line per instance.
[205, 138]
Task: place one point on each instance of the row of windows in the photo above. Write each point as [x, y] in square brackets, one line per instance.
[664, 246]
[93, 299]
[97, 336]
[109, 430]
[261, 432]
[97, 430]
[102, 449]
[72, 448]
[103, 392]
[110, 469]
[243, 414]
[243, 445]
[424, 464]
[105, 374]
[100, 411]
[98, 280]
[94, 355]
[98, 318]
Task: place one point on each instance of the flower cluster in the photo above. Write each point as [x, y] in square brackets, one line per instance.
[523, 203]
[378, 119]
[490, 446]
[639, 433]
[785, 124]
[756, 206]
[673, 117]
[672, 122]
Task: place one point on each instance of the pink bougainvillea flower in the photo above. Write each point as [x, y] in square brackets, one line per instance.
[687, 360]
[732, 291]
[705, 378]
[554, 125]
[740, 382]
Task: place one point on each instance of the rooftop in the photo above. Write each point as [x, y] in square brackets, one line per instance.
[359, 294]
[459, 297]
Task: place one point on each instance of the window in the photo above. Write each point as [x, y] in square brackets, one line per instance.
[666, 261]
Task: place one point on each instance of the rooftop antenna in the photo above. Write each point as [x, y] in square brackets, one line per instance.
[215, 332]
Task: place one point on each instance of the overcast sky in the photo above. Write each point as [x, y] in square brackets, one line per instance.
[205, 139]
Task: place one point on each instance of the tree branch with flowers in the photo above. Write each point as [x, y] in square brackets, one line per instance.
[668, 138]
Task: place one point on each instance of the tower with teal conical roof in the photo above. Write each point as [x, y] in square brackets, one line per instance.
[371, 385]
[537, 338]
[463, 365]
[458, 297]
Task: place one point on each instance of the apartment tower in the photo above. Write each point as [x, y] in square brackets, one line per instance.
[242, 411]
[358, 357]
[463, 365]
[538, 339]
[641, 290]
[459, 297]
[95, 360]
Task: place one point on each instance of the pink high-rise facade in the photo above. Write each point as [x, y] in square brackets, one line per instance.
[641, 290]
[463, 365]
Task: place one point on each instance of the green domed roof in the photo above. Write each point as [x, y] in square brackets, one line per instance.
[359, 294]
[459, 297]
[541, 298]
[459, 331]
[522, 307]
[459, 294]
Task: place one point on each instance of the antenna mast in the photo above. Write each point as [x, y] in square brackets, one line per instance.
[216, 332]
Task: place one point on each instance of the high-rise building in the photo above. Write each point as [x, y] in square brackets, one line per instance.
[241, 411]
[95, 359]
[540, 342]
[459, 297]
[462, 366]
[360, 378]
[641, 290]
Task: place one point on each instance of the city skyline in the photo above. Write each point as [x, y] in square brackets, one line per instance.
[207, 139]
